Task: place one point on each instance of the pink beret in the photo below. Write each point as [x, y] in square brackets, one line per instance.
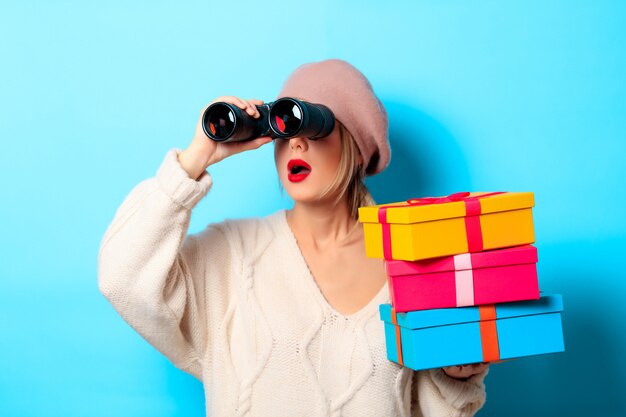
[346, 91]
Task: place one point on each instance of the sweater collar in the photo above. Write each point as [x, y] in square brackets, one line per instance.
[279, 221]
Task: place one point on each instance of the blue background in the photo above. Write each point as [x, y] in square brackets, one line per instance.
[482, 95]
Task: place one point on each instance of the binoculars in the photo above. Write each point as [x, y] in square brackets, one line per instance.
[284, 118]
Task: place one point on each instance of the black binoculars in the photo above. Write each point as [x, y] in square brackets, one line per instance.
[284, 118]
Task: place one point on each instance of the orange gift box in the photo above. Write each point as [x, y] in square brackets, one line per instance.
[423, 228]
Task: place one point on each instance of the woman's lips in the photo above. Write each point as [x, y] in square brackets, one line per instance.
[298, 170]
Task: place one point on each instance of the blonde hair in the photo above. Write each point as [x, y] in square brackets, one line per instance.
[350, 175]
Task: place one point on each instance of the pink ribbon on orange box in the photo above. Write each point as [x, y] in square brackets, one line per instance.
[472, 218]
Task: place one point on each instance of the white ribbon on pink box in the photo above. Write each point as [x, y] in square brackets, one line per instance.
[464, 279]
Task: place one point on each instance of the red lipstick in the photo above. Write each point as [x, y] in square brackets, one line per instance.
[298, 170]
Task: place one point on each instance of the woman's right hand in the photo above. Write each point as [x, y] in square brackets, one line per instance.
[203, 152]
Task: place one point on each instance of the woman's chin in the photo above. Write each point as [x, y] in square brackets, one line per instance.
[308, 192]
[304, 198]
[313, 199]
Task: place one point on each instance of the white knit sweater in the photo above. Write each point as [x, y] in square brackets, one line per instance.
[237, 307]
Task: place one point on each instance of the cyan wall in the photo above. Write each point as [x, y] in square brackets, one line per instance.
[482, 95]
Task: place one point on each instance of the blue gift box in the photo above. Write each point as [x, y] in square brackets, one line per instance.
[458, 336]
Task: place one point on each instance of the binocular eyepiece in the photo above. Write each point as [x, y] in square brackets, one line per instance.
[284, 118]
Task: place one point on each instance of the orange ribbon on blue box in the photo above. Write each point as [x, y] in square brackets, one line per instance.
[490, 344]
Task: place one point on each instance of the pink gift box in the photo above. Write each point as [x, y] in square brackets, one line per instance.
[469, 279]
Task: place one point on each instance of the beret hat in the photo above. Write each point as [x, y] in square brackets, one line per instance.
[345, 90]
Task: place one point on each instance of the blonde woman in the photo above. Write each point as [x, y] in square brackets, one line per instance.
[277, 316]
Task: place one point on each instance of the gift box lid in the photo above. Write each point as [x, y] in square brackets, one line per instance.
[518, 255]
[548, 303]
[427, 209]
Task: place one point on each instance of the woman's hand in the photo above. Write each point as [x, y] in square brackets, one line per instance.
[203, 152]
[464, 372]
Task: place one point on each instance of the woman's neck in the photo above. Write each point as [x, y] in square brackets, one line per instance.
[323, 225]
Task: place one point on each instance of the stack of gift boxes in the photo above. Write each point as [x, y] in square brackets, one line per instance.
[462, 279]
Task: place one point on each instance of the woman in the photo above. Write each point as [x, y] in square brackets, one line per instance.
[277, 316]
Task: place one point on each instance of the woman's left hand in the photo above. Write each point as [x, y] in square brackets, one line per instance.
[464, 372]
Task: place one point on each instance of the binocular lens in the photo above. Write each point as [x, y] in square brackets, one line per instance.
[220, 121]
[287, 117]
[290, 117]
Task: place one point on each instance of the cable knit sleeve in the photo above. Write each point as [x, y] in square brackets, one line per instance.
[158, 278]
[438, 395]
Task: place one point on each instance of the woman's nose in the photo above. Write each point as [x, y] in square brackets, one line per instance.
[298, 143]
